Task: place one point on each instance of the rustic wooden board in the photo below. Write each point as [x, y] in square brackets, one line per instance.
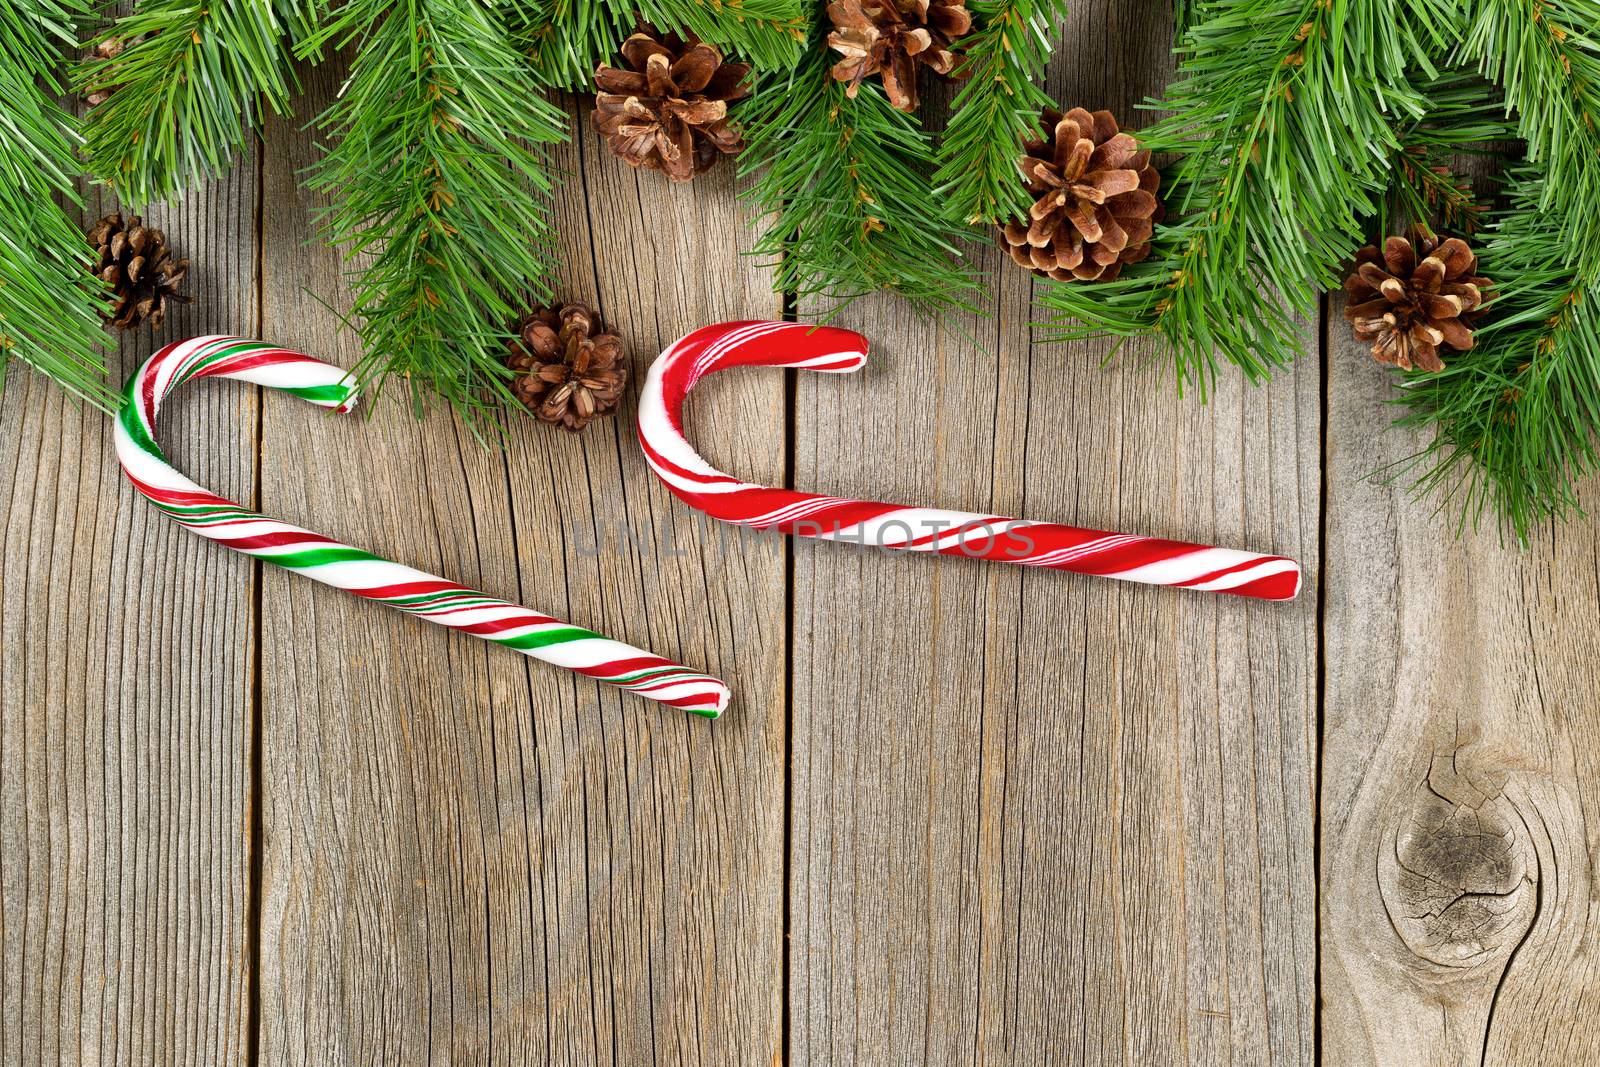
[1038, 817]
[126, 664]
[1460, 763]
[1003, 817]
[469, 854]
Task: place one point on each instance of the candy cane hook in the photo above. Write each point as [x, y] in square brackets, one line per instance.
[361, 573]
[1035, 544]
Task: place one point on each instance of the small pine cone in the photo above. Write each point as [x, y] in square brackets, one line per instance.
[890, 38]
[1097, 200]
[1419, 294]
[569, 372]
[669, 110]
[136, 261]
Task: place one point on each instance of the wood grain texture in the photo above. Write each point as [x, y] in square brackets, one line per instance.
[126, 650]
[1031, 817]
[1461, 752]
[470, 855]
[1038, 817]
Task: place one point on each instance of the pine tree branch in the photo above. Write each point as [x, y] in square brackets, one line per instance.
[184, 92]
[845, 185]
[1282, 127]
[33, 34]
[567, 39]
[769, 34]
[440, 187]
[1465, 118]
[1516, 416]
[50, 304]
[997, 108]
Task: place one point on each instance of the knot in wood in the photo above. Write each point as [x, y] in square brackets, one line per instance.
[1459, 872]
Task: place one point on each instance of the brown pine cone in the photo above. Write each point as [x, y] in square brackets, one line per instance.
[137, 263]
[1421, 293]
[890, 37]
[569, 372]
[1097, 203]
[669, 110]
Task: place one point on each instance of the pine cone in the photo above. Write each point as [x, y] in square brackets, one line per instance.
[890, 37]
[1419, 294]
[137, 263]
[569, 372]
[669, 111]
[1097, 203]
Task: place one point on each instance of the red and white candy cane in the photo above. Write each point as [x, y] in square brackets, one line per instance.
[331, 563]
[1129, 557]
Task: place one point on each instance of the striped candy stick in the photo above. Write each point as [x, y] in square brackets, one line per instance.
[1035, 544]
[362, 573]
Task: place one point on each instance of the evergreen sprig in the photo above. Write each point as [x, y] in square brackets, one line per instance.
[567, 39]
[186, 90]
[1465, 118]
[440, 185]
[1282, 126]
[769, 34]
[49, 302]
[997, 108]
[1516, 416]
[846, 186]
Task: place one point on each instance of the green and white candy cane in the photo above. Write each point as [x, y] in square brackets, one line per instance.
[351, 569]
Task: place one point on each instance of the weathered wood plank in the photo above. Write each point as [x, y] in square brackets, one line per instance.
[1460, 764]
[126, 662]
[468, 854]
[1038, 817]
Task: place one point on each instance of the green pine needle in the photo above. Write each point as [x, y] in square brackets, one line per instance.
[770, 34]
[567, 39]
[997, 108]
[1464, 118]
[440, 186]
[49, 302]
[185, 92]
[300, 19]
[845, 185]
[1516, 415]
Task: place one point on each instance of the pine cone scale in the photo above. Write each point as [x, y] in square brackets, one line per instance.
[1085, 219]
[697, 112]
[1119, 153]
[694, 71]
[1100, 185]
[1113, 239]
[615, 82]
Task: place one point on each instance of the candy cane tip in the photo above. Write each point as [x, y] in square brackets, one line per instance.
[1286, 587]
[846, 350]
[723, 695]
